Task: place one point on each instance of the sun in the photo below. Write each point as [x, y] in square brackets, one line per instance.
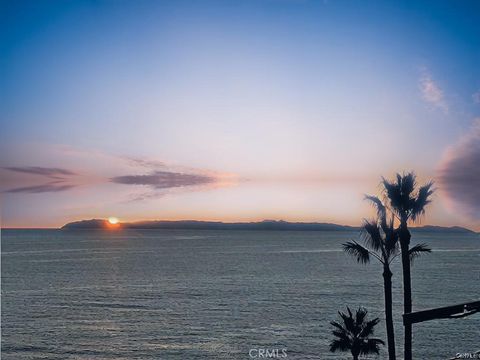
[113, 220]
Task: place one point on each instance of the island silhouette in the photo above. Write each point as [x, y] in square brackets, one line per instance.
[97, 224]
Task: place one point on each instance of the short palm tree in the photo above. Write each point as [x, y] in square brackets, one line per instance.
[354, 334]
[380, 242]
[407, 204]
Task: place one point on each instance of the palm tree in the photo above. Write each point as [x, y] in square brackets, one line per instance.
[408, 205]
[381, 243]
[354, 334]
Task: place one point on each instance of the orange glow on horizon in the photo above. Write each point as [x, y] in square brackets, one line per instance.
[112, 223]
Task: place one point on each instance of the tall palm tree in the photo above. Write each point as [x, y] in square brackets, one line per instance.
[380, 241]
[354, 334]
[407, 204]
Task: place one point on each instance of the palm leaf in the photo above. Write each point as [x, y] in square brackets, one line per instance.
[422, 200]
[373, 236]
[369, 326]
[381, 210]
[391, 241]
[360, 253]
[417, 250]
[339, 345]
[360, 316]
[372, 345]
[394, 194]
[336, 324]
[407, 185]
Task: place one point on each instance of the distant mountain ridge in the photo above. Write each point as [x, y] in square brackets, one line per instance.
[449, 229]
[260, 225]
[210, 225]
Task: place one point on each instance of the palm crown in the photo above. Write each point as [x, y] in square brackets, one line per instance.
[407, 203]
[380, 238]
[353, 333]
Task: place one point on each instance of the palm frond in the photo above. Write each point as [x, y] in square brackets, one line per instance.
[379, 206]
[339, 345]
[417, 250]
[391, 241]
[401, 195]
[373, 236]
[349, 312]
[422, 200]
[360, 253]
[360, 316]
[381, 210]
[369, 326]
[348, 320]
[393, 194]
[408, 183]
[337, 325]
[371, 346]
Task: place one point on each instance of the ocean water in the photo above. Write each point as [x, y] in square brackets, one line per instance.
[179, 294]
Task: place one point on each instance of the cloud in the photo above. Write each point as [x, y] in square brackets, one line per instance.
[459, 173]
[164, 179]
[431, 92]
[39, 179]
[43, 171]
[89, 168]
[151, 195]
[153, 164]
[476, 97]
[51, 187]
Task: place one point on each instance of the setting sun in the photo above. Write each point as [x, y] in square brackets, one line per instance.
[113, 220]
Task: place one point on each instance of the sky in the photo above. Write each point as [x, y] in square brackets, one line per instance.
[236, 110]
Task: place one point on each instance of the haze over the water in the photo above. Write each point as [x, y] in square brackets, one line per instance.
[236, 110]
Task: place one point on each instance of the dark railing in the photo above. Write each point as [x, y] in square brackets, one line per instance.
[447, 312]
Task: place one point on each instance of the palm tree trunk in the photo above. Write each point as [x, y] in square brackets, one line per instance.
[407, 286]
[387, 286]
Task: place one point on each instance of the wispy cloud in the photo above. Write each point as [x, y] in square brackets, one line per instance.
[431, 91]
[160, 178]
[36, 189]
[459, 173]
[43, 171]
[152, 164]
[476, 97]
[42, 179]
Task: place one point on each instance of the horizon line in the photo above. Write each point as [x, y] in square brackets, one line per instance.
[217, 221]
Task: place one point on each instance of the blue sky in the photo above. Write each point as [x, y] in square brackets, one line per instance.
[281, 107]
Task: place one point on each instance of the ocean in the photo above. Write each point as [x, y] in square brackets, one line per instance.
[184, 294]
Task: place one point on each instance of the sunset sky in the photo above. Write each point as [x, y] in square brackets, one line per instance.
[236, 110]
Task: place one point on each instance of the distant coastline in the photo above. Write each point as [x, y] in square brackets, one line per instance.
[98, 224]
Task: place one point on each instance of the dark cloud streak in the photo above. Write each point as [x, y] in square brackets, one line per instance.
[36, 189]
[164, 179]
[53, 179]
[46, 179]
[43, 171]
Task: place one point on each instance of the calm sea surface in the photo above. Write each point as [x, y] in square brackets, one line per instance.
[215, 294]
